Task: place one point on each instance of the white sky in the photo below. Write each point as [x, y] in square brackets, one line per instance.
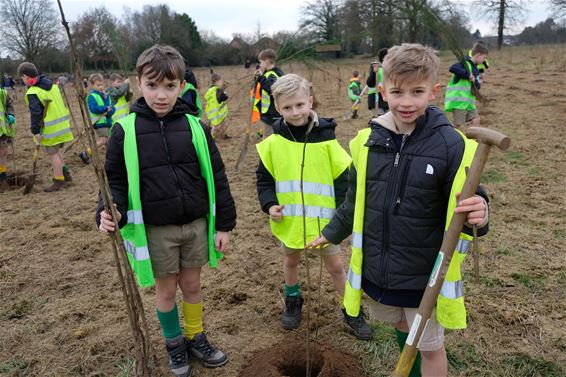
[226, 17]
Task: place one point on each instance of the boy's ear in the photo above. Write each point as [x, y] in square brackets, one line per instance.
[311, 101]
[181, 87]
[138, 81]
[381, 89]
[435, 89]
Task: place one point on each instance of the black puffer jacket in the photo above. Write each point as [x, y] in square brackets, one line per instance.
[266, 82]
[406, 202]
[173, 190]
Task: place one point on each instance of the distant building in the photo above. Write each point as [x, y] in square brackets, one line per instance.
[330, 51]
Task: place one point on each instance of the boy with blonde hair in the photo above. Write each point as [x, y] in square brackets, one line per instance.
[175, 209]
[408, 169]
[267, 74]
[216, 108]
[303, 159]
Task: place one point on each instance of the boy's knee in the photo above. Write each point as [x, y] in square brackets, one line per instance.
[433, 355]
[334, 266]
[292, 260]
[402, 326]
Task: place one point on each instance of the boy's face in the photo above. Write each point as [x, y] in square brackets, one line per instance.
[219, 83]
[264, 64]
[295, 109]
[116, 83]
[409, 100]
[160, 96]
[479, 58]
[98, 85]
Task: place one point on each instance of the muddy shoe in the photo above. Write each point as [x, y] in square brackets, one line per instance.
[178, 358]
[291, 318]
[200, 348]
[358, 326]
[67, 176]
[56, 186]
[84, 158]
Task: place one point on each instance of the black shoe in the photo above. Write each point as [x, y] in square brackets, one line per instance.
[358, 326]
[178, 358]
[84, 158]
[55, 186]
[291, 318]
[200, 348]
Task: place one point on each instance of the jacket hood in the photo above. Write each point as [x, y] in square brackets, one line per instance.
[44, 83]
[180, 108]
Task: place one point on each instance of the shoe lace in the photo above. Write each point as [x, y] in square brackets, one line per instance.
[204, 347]
[178, 355]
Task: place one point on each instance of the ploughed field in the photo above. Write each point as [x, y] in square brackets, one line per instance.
[61, 307]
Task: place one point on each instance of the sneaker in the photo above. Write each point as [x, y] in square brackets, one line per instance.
[358, 325]
[291, 318]
[200, 348]
[56, 186]
[67, 176]
[178, 357]
[84, 158]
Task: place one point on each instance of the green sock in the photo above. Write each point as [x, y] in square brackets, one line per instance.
[292, 291]
[65, 168]
[401, 339]
[170, 323]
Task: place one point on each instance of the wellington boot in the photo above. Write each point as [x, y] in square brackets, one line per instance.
[56, 186]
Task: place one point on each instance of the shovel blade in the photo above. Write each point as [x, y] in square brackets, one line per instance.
[29, 184]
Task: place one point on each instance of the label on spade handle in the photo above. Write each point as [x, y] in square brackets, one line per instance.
[436, 269]
[414, 328]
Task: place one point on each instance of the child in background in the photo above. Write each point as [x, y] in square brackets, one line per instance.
[354, 91]
[120, 95]
[301, 138]
[374, 81]
[190, 92]
[7, 133]
[267, 74]
[216, 108]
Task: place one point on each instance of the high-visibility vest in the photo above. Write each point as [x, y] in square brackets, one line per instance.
[354, 83]
[265, 97]
[380, 76]
[324, 162]
[450, 309]
[255, 96]
[459, 94]
[122, 109]
[133, 233]
[101, 122]
[56, 126]
[480, 66]
[198, 103]
[5, 128]
[216, 111]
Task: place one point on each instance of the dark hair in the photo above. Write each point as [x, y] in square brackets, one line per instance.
[28, 69]
[479, 48]
[215, 77]
[381, 54]
[116, 76]
[268, 54]
[159, 62]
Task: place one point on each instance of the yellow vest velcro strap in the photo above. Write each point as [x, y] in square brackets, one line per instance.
[55, 134]
[461, 99]
[135, 217]
[354, 279]
[463, 246]
[310, 211]
[308, 188]
[138, 253]
[357, 240]
[452, 289]
[56, 121]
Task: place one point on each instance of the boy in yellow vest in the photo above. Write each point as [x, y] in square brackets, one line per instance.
[7, 133]
[301, 138]
[171, 210]
[216, 108]
[408, 169]
[49, 121]
[120, 96]
[267, 74]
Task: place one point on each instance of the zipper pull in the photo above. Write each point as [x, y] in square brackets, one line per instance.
[397, 204]
[396, 160]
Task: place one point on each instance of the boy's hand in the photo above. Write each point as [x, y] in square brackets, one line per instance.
[109, 109]
[275, 212]
[221, 241]
[37, 138]
[476, 208]
[320, 241]
[258, 73]
[106, 222]
[472, 78]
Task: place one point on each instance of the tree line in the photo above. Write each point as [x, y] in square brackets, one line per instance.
[31, 31]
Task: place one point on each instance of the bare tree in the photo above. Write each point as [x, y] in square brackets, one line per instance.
[92, 39]
[558, 7]
[504, 12]
[29, 26]
[322, 18]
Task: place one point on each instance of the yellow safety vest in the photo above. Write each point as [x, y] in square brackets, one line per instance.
[215, 112]
[5, 128]
[93, 117]
[122, 109]
[459, 94]
[265, 97]
[56, 127]
[450, 309]
[324, 162]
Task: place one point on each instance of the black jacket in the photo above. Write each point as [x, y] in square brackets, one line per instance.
[35, 106]
[324, 132]
[405, 203]
[461, 72]
[173, 190]
[266, 82]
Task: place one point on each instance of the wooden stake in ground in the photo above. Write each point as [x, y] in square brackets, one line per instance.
[486, 139]
[143, 350]
[244, 149]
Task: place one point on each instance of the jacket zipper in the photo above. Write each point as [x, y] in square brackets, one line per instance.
[167, 153]
[402, 185]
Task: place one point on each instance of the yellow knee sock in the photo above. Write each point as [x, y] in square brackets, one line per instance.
[2, 169]
[59, 177]
[192, 317]
[89, 151]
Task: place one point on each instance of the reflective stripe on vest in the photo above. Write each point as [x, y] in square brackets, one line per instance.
[56, 129]
[5, 128]
[101, 120]
[450, 309]
[324, 162]
[122, 109]
[216, 111]
[371, 90]
[459, 94]
[265, 97]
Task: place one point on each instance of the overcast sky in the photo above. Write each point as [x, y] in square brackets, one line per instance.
[226, 17]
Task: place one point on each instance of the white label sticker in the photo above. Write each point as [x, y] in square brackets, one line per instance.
[414, 328]
[436, 269]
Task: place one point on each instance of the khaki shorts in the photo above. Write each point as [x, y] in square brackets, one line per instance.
[53, 149]
[432, 338]
[462, 117]
[102, 132]
[171, 246]
[325, 251]
[267, 129]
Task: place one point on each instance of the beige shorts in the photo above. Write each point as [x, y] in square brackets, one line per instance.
[171, 246]
[102, 132]
[53, 149]
[432, 338]
[462, 117]
[326, 251]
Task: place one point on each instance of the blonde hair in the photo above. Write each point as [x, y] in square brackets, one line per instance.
[159, 62]
[288, 85]
[116, 76]
[410, 62]
[95, 77]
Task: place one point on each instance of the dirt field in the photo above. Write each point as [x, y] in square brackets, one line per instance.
[61, 308]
